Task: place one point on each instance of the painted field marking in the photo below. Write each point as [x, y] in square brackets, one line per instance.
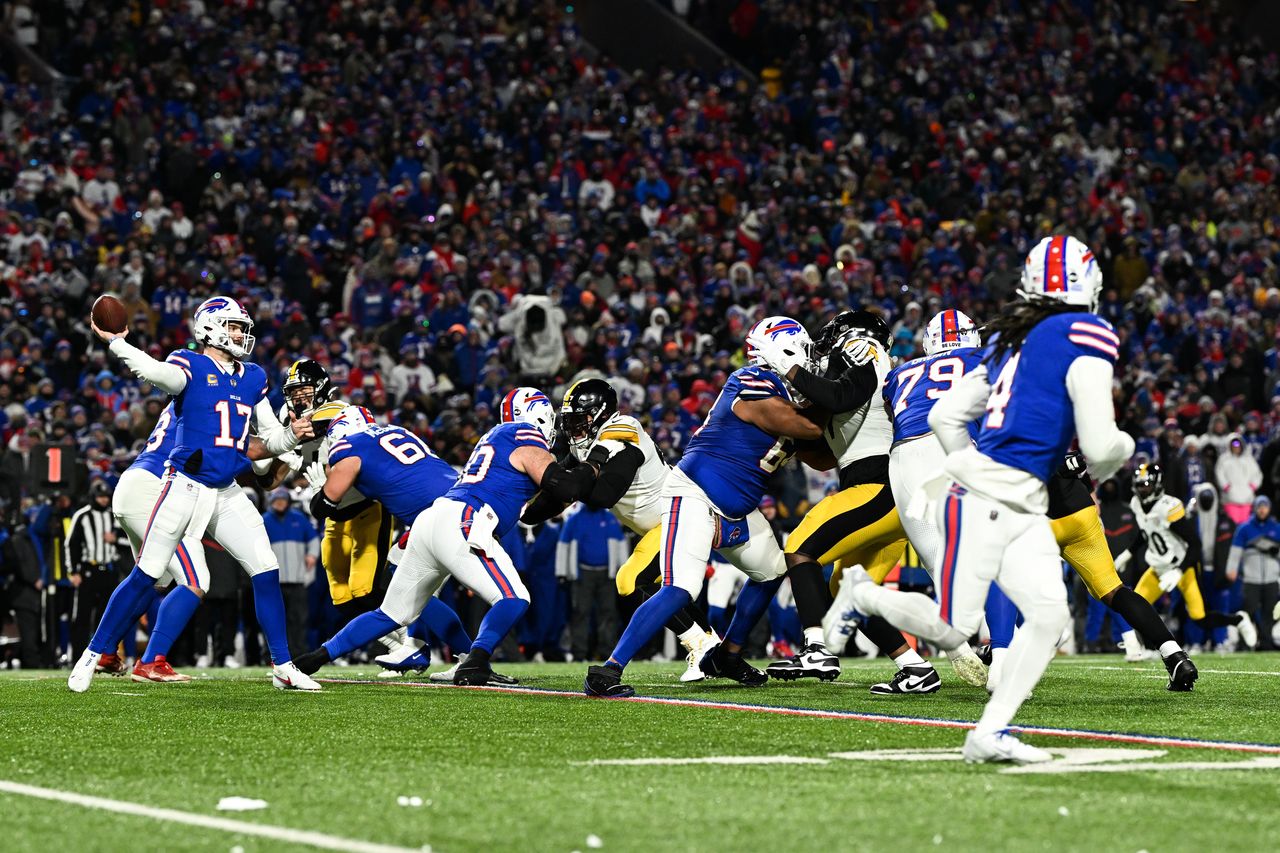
[710, 759]
[276, 833]
[857, 716]
[1138, 669]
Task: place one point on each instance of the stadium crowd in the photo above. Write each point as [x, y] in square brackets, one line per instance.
[439, 200]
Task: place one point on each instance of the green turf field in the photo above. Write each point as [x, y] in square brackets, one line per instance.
[515, 771]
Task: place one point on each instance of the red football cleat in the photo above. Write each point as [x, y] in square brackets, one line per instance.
[160, 671]
[111, 664]
[782, 650]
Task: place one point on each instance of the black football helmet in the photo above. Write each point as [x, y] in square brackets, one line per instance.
[587, 405]
[1148, 483]
[306, 374]
[866, 324]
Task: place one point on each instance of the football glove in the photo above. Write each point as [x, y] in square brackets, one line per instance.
[856, 351]
[315, 475]
[1169, 580]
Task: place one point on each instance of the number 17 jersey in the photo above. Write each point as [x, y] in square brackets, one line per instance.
[912, 387]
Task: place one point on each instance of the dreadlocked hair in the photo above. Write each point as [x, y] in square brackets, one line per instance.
[1009, 330]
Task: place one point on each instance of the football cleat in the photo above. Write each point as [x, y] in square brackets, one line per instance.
[605, 682]
[813, 661]
[719, 663]
[909, 679]
[1001, 746]
[445, 676]
[82, 673]
[287, 676]
[697, 649]
[404, 658]
[1182, 672]
[473, 671]
[1135, 653]
[111, 664]
[969, 667]
[1248, 631]
[984, 653]
[159, 671]
[840, 624]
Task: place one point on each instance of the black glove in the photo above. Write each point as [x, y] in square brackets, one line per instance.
[598, 456]
[1074, 465]
[1268, 546]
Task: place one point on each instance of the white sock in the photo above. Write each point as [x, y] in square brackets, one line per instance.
[913, 612]
[1130, 640]
[813, 637]
[688, 637]
[909, 658]
[1169, 647]
[1027, 657]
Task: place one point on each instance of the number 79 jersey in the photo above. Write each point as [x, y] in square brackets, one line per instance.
[912, 388]
[490, 478]
[1030, 419]
[730, 459]
[397, 469]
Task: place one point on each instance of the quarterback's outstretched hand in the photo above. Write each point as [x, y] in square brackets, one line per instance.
[108, 337]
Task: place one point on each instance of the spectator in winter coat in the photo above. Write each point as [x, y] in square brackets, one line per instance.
[1216, 530]
[1256, 549]
[1239, 477]
[591, 550]
[297, 547]
[537, 325]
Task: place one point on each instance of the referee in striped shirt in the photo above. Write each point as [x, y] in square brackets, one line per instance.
[91, 561]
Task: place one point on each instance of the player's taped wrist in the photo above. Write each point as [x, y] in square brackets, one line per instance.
[321, 507]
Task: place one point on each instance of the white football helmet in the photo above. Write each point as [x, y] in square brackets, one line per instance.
[530, 406]
[1062, 268]
[354, 419]
[779, 343]
[950, 329]
[211, 325]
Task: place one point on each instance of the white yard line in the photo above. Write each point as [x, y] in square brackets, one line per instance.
[276, 833]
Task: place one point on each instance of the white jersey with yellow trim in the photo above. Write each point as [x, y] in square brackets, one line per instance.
[868, 430]
[1165, 549]
[310, 451]
[640, 508]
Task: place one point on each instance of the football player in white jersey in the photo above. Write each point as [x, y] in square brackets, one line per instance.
[632, 475]
[859, 525]
[1173, 550]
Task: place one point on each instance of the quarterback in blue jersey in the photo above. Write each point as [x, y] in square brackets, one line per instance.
[216, 396]
[712, 500]
[1045, 380]
[459, 535]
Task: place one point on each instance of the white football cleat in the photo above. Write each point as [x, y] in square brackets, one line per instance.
[446, 675]
[1136, 654]
[699, 647]
[82, 673]
[1248, 631]
[840, 623]
[286, 676]
[969, 667]
[1001, 746]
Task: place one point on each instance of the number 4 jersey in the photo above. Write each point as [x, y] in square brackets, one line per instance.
[730, 459]
[397, 469]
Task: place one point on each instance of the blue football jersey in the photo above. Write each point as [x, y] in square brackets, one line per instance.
[1030, 421]
[397, 469]
[730, 459]
[214, 413]
[490, 478]
[155, 453]
[911, 388]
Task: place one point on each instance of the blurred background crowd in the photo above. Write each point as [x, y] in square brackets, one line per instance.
[439, 200]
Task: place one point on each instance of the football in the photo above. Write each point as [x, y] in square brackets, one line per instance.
[109, 313]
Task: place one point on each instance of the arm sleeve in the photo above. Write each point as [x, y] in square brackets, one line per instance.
[1104, 444]
[1185, 529]
[322, 508]
[276, 436]
[169, 377]
[957, 408]
[854, 388]
[615, 477]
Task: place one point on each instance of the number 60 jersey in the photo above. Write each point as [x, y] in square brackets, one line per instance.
[396, 468]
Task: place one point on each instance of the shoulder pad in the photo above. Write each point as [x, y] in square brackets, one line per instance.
[621, 428]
